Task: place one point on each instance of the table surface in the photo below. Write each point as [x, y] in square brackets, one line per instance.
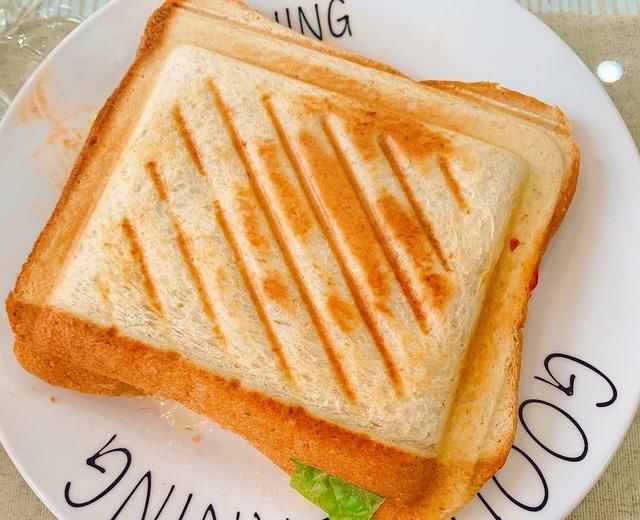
[600, 31]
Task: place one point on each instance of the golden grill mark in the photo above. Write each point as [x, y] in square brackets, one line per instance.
[249, 283]
[441, 290]
[409, 233]
[401, 175]
[104, 291]
[400, 274]
[272, 284]
[331, 186]
[138, 255]
[342, 311]
[183, 245]
[415, 141]
[250, 222]
[188, 140]
[285, 190]
[364, 309]
[277, 290]
[447, 172]
[332, 355]
[158, 183]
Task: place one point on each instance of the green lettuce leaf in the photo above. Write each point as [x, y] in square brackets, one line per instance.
[339, 499]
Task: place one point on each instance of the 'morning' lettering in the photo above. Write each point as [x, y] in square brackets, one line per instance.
[545, 487]
[344, 20]
[569, 389]
[92, 462]
[339, 24]
[302, 18]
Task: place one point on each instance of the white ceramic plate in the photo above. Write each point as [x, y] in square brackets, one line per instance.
[83, 455]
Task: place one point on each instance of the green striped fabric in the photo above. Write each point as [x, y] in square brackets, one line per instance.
[592, 7]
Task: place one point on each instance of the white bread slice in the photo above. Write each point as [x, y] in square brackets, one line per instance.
[562, 177]
[388, 368]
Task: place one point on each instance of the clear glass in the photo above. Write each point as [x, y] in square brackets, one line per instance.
[29, 30]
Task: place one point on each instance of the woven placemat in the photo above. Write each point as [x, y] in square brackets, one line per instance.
[598, 30]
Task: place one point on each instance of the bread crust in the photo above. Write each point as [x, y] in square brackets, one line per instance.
[56, 370]
[60, 372]
[501, 94]
[280, 431]
[47, 337]
[489, 465]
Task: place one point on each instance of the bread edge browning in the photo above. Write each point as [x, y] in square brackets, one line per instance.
[497, 94]
[280, 431]
[486, 467]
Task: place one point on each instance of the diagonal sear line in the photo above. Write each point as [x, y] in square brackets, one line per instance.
[392, 257]
[188, 140]
[138, 255]
[183, 245]
[263, 200]
[452, 183]
[401, 175]
[364, 309]
[103, 289]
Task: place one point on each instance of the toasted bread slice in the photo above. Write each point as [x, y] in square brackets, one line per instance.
[38, 306]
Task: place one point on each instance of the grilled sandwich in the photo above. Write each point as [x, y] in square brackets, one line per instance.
[313, 250]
